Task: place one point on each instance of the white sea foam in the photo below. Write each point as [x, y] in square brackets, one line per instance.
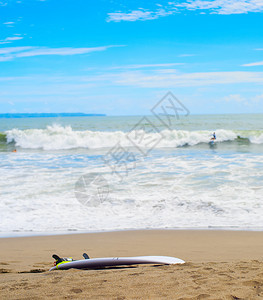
[172, 191]
[56, 137]
[256, 138]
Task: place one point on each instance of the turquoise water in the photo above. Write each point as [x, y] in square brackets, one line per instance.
[125, 123]
[153, 176]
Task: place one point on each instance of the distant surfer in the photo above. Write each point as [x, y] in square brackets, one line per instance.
[213, 137]
[14, 150]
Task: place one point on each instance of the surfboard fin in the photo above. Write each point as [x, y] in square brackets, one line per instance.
[57, 258]
[85, 255]
[61, 259]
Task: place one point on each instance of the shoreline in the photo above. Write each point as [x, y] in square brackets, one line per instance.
[73, 232]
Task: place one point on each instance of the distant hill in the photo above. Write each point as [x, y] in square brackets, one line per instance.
[48, 115]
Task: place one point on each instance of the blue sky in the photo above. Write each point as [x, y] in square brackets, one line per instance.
[121, 57]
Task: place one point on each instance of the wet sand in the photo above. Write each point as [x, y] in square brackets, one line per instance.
[219, 265]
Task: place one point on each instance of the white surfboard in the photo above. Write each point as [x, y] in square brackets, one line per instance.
[117, 261]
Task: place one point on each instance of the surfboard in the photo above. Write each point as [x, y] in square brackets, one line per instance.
[116, 261]
[212, 142]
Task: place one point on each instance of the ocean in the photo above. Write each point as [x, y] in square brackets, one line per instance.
[89, 174]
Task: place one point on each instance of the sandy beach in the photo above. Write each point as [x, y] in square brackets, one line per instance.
[219, 265]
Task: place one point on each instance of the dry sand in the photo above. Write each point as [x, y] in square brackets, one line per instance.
[219, 265]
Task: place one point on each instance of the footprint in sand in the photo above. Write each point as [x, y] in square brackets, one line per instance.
[253, 283]
[76, 291]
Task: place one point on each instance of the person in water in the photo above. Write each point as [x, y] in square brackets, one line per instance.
[213, 137]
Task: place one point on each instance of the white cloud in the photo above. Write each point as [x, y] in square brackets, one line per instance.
[258, 98]
[9, 23]
[259, 63]
[223, 7]
[235, 98]
[140, 14]
[14, 38]
[154, 79]
[8, 40]
[16, 52]
[60, 51]
[142, 66]
[10, 50]
[60, 86]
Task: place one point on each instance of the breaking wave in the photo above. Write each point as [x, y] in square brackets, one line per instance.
[57, 137]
